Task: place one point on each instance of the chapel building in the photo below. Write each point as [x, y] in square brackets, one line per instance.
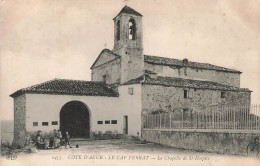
[125, 84]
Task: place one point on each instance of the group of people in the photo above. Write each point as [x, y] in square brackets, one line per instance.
[55, 141]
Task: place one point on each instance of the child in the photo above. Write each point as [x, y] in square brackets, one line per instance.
[67, 139]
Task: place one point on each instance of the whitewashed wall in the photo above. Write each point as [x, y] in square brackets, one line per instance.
[132, 107]
[46, 108]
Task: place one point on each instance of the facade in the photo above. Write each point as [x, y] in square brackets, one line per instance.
[124, 84]
[80, 107]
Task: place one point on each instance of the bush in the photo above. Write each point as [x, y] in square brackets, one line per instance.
[97, 134]
[107, 135]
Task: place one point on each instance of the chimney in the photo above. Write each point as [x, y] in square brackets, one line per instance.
[185, 61]
[151, 74]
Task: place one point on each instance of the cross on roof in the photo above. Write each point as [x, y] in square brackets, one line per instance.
[105, 45]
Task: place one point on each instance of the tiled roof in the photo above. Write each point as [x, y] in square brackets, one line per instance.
[174, 62]
[180, 82]
[181, 63]
[128, 10]
[69, 87]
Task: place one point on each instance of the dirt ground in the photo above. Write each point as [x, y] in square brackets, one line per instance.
[122, 152]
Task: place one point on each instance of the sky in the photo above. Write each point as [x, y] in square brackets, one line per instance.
[45, 39]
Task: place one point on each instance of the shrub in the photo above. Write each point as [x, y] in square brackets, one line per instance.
[107, 135]
[97, 134]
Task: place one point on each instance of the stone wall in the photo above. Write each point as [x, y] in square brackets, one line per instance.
[131, 64]
[233, 142]
[156, 97]
[111, 70]
[19, 120]
[226, 78]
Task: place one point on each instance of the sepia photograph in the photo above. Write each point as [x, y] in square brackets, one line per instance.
[129, 82]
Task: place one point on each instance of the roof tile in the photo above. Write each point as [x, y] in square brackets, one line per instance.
[181, 82]
[69, 87]
[177, 62]
[128, 10]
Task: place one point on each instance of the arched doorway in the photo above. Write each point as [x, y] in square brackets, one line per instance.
[75, 118]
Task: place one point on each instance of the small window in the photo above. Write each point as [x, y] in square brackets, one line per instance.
[92, 76]
[35, 123]
[54, 123]
[104, 78]
[118, 30]
[113, 121]
[99, 122]
[45, 123]
[223, 95]
[107, 122]
[131, 91]
[185, 71]
[186, 93]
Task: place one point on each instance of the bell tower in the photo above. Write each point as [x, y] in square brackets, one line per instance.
[128, 43]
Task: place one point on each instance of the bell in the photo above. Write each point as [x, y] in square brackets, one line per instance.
[131, 31]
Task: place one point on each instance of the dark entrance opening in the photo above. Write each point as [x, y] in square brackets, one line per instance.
[125, 124]
[74, 118]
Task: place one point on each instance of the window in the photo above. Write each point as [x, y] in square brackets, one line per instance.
[185, 71]
[54, 123]
[104, 78]
[132, 29]
[99, 122]
[223, 95]
[107, 122]
[118, 30]
[186, 93]
[179, 71]
[113, 121]
[131, 91]
[35, 123]
[45, 123]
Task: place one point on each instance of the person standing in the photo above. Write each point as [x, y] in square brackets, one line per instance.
[59, 137]
[39, 141]
[55, 139]
[67, 139]
[59, 134]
